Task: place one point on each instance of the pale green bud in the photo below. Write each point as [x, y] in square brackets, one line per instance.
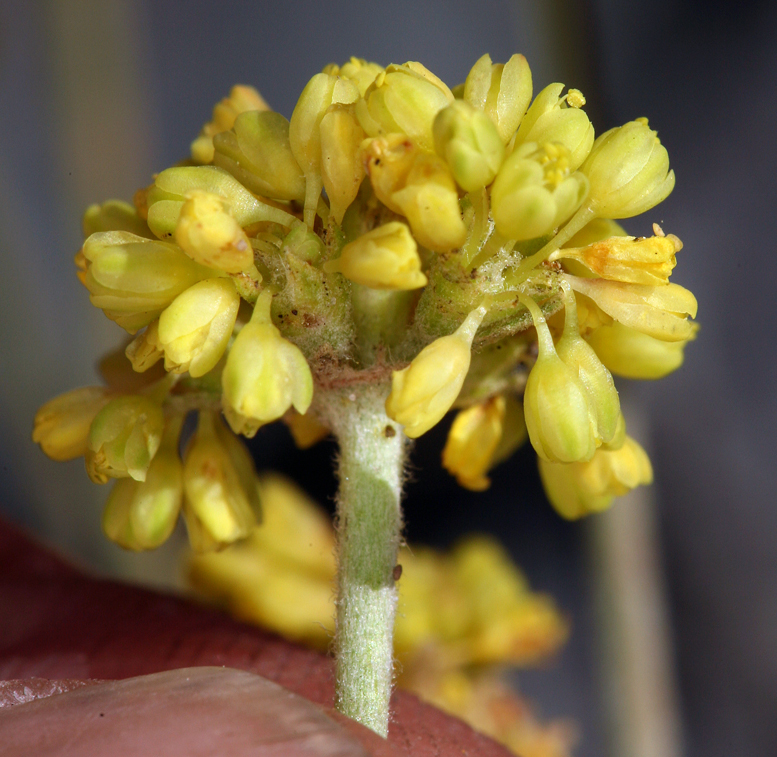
[142, 514]
[257, 152]
[576, 353]
[632, 354]
[559, 416]
[501, 91]
[534, 191]
[470, 144]
[629, 171]
[135, 277]
[423, 392]
[342, 169]
[222, 500]
[123, 439]
[265, 374]
[174, 185]
[384, 258]
[552, 118]
[303, 244]
[195, 329]
[405, 99]
[582, 488]
[62, 425]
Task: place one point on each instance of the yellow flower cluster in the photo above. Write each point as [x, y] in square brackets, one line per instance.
[460, 613]
[393, 231]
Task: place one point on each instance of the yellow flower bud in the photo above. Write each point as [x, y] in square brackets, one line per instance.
[658, 311]
[322, 91]
[342, 170]
[242, 98]
[632, 354]
[430, 203]
[578, 489]
[384, 258]
[405, 99]
[131, 276]
[265, 374]
[142, 514]
[472, 442]
[576, 353]
[62, 425]
[559, 416]
[502, 91]
[174, 185]
[209, 235]
[388, 162]
[636, 260]
[145, 349]
[114, 215]
[559, 119]
[629, 171]
[222, 500]
[195, 328]
[123, 439]
[470, 144]
[534, 191]
[361, 72]
[423, 392]
[257, 153]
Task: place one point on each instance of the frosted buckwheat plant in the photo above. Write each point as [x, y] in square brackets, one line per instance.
[395, 250]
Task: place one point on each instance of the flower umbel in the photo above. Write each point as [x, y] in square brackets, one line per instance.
[393, 250]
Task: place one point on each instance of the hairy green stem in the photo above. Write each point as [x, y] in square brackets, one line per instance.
[372, 450]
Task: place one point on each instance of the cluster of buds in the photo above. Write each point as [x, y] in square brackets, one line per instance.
[393, 233]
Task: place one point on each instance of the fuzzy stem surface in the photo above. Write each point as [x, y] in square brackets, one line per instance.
[372, 453]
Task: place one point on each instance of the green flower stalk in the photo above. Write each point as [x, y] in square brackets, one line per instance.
[395, 250]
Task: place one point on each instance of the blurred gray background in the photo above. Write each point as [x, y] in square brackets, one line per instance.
[97, 95]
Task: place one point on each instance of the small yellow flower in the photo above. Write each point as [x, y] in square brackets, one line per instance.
[257, 152]
[581, 488]
[552, 118]
[658, 311]
[322, 91]
[194, 330]
[384, 258]
[559, 416]
[632, 354]
[123, 439]
[534, 191]
[423, 392]
[472, 442]
[264, 375]
[220, 486]
[403, 99]
[470, 144]
[242, 98]
[173, 186]
[209, 235]
[342, 170]
[634, 260]
[501, 90]
[114, 215]
[62, 424]
[132, 279]
[576, 353]
[629, 171]
[141, 515]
